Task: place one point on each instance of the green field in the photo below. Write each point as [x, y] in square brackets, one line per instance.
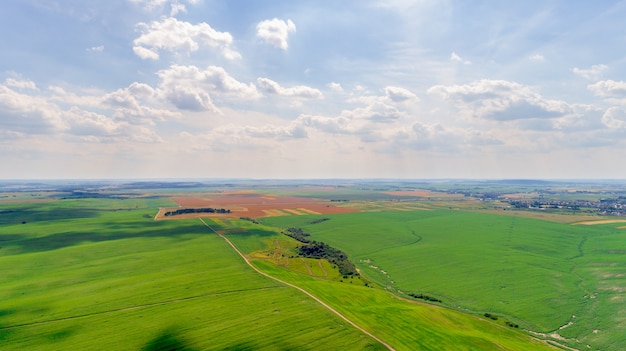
[403, 324]
[91, 277]
[78, 272]
[534, 273]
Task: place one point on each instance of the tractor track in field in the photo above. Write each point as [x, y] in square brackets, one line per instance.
[135, 307]
[325, 305]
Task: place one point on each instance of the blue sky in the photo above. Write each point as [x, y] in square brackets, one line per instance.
[312, 89]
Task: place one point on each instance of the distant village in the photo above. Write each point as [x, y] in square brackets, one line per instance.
[610, 206]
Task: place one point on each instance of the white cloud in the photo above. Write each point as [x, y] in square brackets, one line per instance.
[501, 100]
[536, 58]
[177, 8]
[29, 114]
[21, 83]
[398, 94]
[275, 32]
[150, 4]
[96, 48]
[593, 73]
[299, 91]
[369, 123]
[454, 57]
[189, 87]
[23, 115]
[173, 35]
[335, 87]
[135, 105]
[608, 88]
[614, 118]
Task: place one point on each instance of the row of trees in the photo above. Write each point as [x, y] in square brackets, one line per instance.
[196, 210]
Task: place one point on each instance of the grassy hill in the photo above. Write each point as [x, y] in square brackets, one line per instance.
[93, 278]
[547, 277]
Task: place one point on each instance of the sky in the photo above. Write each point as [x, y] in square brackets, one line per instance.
[312, 89]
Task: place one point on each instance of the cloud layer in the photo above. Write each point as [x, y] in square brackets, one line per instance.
[189, 88]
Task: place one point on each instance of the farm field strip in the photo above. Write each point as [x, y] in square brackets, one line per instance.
[118, 280]
[532, 272]
[135, 307]
[328, 307]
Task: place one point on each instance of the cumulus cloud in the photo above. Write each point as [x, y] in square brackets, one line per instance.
[275, 32]
[501, 100]
[593, 73]
[614, 118]
[608, 88]
[364, 122]
[173, 35]
[454, 57]
[136, 105]
[397, 94]
[189, 88]
[21, 83]
[335, 86]
[536, 57]
[25, 115]
[299, 91]
[177, 8]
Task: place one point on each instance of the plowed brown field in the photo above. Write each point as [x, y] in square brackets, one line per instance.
[258, 205]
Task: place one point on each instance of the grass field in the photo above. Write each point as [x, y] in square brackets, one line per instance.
[547, 277]
[91, 277]
[405, 325]
[101, 273]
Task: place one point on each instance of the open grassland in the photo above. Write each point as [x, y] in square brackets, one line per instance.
[106, 276]
[404, 324]
[409, 325]
[565, 282]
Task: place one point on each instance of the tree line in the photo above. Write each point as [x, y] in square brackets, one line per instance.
[196, 210]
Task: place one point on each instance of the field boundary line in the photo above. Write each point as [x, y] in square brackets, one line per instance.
[298, 288]
[135, 307]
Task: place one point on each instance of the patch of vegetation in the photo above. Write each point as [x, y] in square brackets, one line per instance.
[337, 257]
[298, 234]
[320, 220]
[315, 249]
[249, 220]
[196, 210]
[424, 297]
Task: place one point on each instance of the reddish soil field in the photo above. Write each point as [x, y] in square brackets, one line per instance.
[260, 205]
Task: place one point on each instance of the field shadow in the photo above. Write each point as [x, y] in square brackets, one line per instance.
[23, 243]
[167, 340]
[29, 215]
[240, 347]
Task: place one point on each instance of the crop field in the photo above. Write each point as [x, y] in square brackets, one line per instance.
[88, 269]
[406, 325]
[560, 281]
[106, 276]
[251, 204]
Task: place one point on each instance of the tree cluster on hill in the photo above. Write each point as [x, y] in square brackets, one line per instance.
[318, 249]
[196, 210]
[298, 234]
